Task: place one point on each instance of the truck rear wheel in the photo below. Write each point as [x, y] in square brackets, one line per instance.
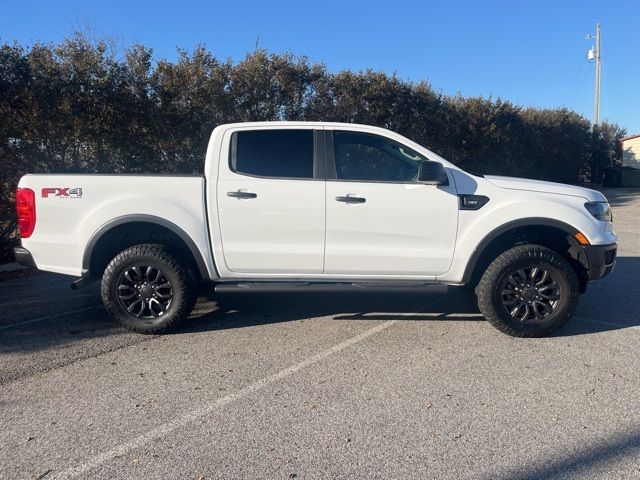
[528, 291]
[147, 290]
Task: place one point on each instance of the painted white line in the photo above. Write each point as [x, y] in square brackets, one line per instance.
[49, 317]
[167, 428]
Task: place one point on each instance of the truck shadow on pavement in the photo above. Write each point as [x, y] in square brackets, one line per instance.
[585, 462]
[261, 308]
[40, 313]
[610, 304]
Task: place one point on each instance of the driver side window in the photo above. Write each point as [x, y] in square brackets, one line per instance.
[367, 157]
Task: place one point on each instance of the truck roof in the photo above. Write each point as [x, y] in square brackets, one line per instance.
[301, 124]
[338, 125]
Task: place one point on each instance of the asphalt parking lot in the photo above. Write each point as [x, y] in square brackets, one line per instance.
[345, 385]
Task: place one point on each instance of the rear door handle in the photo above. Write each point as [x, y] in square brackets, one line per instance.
[241, 194]
[351, 199]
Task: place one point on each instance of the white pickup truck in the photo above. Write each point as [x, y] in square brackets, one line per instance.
[285, 205]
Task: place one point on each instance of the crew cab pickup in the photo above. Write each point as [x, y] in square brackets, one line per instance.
[286, 205]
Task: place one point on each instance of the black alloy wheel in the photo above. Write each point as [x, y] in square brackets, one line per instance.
[144, 291]
[530, 294]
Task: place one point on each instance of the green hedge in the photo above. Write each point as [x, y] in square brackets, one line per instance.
[78, 107]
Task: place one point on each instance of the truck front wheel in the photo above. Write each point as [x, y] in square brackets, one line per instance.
[147, 290]
[528, 291]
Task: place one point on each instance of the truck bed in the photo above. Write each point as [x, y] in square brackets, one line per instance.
[71, 208]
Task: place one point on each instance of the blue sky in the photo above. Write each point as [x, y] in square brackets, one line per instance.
[529, 52]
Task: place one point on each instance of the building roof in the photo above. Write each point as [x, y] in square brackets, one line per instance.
[630, 137]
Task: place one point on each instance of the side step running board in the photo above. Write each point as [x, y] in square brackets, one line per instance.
[274, 287]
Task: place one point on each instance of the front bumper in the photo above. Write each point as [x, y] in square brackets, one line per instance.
[599, 259]
[23, 257]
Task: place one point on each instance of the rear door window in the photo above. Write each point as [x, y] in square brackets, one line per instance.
[273, 153]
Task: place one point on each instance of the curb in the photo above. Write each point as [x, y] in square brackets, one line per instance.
[12, 267]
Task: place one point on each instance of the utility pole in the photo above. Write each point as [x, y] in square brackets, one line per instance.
[594, 54]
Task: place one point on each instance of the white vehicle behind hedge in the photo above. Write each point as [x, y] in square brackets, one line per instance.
[285, 205]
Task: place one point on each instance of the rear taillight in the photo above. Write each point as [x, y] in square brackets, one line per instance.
[26, 208]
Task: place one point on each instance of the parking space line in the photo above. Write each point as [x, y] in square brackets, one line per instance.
[166, 428]
[49, 317]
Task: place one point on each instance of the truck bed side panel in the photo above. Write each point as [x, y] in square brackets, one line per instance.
[67, 217]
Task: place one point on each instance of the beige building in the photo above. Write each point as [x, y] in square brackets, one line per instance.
[631, 151]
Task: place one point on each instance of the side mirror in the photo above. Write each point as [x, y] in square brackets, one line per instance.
[432, 173]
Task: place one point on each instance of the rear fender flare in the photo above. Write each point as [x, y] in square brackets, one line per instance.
[98, 234]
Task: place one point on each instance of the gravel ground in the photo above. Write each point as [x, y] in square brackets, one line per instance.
[357, 385]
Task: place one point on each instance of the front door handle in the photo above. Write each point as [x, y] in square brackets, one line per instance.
[351, 199]
[241, 194]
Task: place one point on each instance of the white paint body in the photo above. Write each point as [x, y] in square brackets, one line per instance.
[294, 229]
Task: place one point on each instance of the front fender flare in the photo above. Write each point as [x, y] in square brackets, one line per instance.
[495, 233]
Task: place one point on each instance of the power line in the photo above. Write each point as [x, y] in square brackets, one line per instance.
[580, 86]
[572, 86]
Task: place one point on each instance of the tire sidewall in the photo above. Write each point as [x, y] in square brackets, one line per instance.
[172, 273]
[489, 290]
[560, 310]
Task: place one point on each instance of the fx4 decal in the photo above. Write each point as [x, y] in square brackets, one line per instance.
[63, 192]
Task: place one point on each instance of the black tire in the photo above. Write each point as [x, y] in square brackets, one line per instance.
[178, 299]
[537, 317]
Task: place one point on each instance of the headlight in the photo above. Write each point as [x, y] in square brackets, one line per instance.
[600, 210]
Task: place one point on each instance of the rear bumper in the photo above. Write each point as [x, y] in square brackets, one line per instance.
[600, 259]
[23, 257]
